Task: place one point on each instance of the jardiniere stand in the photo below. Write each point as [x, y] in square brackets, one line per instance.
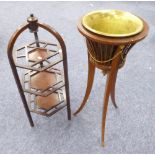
[107, 54]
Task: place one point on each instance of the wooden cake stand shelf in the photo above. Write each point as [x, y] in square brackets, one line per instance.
[38, 54]
[48, 92]
[43, 80]
[47, 102]
[44, 87]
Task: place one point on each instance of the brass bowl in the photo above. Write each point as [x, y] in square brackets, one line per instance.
[113, 23]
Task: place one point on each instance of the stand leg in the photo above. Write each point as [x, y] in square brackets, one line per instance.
[91, 73]
[113, 89]
[27, 109]
[106, 99]
[68, 103]
[20, 89]
[67, 87]
[109, 86]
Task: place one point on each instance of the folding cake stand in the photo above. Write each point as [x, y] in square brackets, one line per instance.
[44, 88]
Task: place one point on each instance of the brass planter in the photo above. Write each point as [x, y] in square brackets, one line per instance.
[112, 23]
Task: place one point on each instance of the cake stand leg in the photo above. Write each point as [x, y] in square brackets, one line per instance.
[20, 89]
[91, 73]
[27, 109]
[67, 85]
[68, 101]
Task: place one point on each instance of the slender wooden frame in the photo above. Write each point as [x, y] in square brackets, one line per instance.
[33, 26]
[111, 70]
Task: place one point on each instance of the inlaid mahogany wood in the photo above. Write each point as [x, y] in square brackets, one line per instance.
[99, 47]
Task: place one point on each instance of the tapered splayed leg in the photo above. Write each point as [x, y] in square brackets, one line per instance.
[110, 77]
[91, 73]
[105, 107]
[113, 89]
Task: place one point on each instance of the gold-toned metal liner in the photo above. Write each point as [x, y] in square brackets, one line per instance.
[112, 23]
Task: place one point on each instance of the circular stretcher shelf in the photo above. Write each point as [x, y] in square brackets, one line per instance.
[112, 23]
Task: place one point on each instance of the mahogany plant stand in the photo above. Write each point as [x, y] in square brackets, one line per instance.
[107, 54]
[44, 88]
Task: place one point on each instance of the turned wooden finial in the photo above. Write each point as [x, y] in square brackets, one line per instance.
[33, 26]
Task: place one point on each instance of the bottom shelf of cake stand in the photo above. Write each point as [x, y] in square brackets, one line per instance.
[45, 92]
